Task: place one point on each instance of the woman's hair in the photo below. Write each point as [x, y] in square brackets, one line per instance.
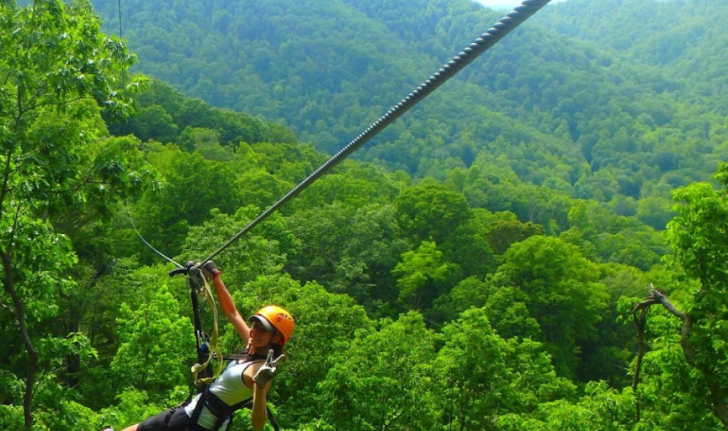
[277, 349]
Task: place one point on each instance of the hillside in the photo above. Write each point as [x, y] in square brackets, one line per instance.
[566, 111]
[685, 38]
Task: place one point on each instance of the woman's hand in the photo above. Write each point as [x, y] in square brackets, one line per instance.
[209, 269]
[267, 371]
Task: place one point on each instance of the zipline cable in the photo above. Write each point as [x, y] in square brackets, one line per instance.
[131, 220]
[447, 71]
[121, 34]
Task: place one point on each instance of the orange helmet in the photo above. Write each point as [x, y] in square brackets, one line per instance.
[274, 318]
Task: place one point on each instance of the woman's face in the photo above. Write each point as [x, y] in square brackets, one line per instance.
[260, 337]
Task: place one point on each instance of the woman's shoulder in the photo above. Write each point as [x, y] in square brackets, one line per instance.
[245, 362]
[248, 370]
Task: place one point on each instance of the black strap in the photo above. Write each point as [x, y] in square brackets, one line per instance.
[216, 406]
[243, 356]
[221, 410]
[271, 417]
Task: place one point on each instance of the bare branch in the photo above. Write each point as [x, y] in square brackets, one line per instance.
[717, 392]
[687, 327]
[662, 299]
[640, 308]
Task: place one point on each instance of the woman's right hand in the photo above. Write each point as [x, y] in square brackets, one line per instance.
[209, 269]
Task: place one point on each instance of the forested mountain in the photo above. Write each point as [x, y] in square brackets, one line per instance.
[682, 37]
[574, 114]
[532, 248]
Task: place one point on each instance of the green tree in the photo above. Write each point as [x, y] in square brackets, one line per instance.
[156, 344]
[192, 186]
[486, 376]
[507, 310]
[348, 250]
[654, 211]
[601, 409]
[59, 71]
[153, 122]
[352, 184]
[383, 380]
[467, 293]
[192, 138]
[421, 275]
[699, 238]
[254, 255]
[562, 292]
[430, 212]
[505, 229]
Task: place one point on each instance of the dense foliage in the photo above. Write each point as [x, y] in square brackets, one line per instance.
[585, 115]
[477, 268]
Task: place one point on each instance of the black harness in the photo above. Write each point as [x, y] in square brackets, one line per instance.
[219, 408]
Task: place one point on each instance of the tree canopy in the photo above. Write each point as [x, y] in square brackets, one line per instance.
[527, 250]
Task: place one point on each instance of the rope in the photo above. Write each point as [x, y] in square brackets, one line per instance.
[145, 241]
[494, 34]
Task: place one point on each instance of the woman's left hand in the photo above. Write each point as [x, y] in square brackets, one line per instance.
[267, 371]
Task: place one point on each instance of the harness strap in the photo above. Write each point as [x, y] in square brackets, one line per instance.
[272, 419]
[214, 349]
[219, 408]
[222, 411]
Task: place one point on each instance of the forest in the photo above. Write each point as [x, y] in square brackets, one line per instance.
[540, 245]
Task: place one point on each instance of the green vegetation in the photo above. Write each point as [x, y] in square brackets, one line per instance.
[480, 266]
[583, 114]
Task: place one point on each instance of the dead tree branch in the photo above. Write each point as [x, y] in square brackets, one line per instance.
[717, 393]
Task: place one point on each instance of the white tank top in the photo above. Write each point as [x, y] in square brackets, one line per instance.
[229, 387]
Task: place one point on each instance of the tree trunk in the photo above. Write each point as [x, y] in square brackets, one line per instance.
[74, 359]
[32, 353]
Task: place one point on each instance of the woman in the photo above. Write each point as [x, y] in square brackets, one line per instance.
[242, 381]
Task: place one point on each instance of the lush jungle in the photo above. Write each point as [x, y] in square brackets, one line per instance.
[541, 244]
